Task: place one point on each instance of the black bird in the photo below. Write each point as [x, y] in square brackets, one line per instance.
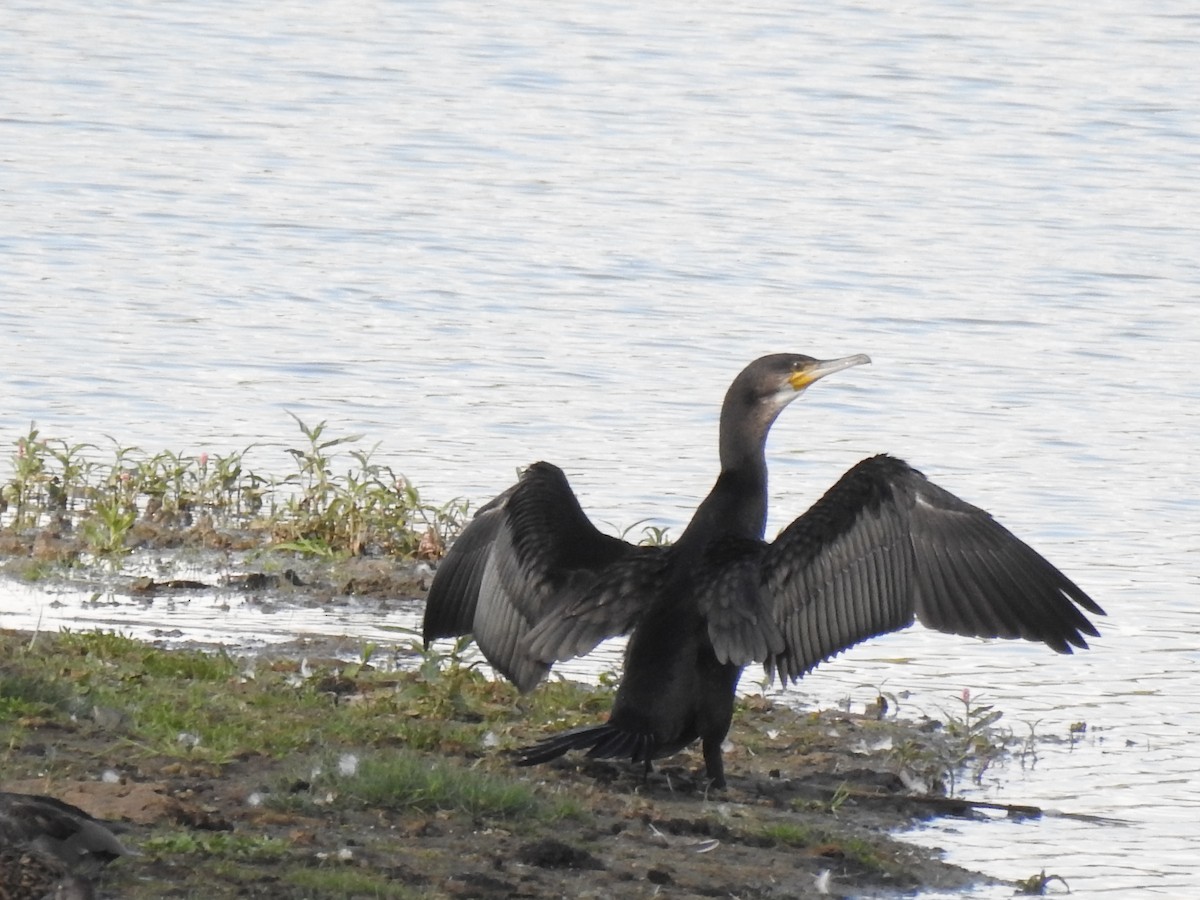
[534, 581]
[57, 831]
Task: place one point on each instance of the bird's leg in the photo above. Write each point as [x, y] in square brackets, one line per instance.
[714, 764]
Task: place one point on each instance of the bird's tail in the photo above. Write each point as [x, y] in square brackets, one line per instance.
[600, 741]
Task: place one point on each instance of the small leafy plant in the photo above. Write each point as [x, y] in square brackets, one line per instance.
[340, 502]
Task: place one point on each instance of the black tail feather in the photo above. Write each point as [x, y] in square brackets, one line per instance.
[600, 742]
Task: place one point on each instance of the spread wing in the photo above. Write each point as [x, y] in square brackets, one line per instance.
[535, 582]
[454, 593]
[885, 546]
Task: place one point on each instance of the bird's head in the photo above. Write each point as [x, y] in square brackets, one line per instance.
[762, 390]
[778, 379]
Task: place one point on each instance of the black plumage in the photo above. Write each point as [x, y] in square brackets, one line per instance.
[58, 830]
[534, 581]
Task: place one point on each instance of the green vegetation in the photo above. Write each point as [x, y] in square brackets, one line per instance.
[218, 843]
[412, 782]
[338, 502]
[324, 743]
[326, 778]
[1037, 884]
[24, 695]
[974, 743]
[344, 881]
[199, 706]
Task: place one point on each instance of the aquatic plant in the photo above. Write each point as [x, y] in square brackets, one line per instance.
[967, 742]
[339, 502]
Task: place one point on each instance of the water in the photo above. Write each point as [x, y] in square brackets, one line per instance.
[484, 235]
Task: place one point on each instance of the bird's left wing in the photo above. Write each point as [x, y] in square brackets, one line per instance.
[839, 574]
[885, 546]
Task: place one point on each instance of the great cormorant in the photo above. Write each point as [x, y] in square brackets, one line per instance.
[535, 582]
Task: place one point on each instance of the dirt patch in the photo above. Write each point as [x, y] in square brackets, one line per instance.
[763, 837]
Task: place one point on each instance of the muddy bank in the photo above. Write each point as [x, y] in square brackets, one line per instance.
[222, 765]
[817, 831]
[812, 801]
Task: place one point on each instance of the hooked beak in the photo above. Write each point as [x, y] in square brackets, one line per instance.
[801, 379]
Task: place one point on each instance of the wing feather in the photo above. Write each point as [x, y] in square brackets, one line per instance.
[1006, 588]
[601, 604]
[532, 558]
[885, 546]
[454, 593]
[740, 621]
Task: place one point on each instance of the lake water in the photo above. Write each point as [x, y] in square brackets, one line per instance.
[483, 235]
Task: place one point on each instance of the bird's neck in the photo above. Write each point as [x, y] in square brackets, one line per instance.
[737, 504]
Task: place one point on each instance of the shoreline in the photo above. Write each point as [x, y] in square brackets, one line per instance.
[813, 802]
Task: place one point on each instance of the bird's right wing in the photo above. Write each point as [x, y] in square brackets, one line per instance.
[534, 581]
[606, 602]
[454, 594]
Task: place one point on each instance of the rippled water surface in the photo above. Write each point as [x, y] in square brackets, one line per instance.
[482, 235]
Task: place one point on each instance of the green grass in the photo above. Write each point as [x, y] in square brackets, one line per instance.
[347, 759]
[199, 706]
[24, 695]
[790, 834]
[418, 739]
[806, 836]
[246, 847]
[338, 501]
[402, 780]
